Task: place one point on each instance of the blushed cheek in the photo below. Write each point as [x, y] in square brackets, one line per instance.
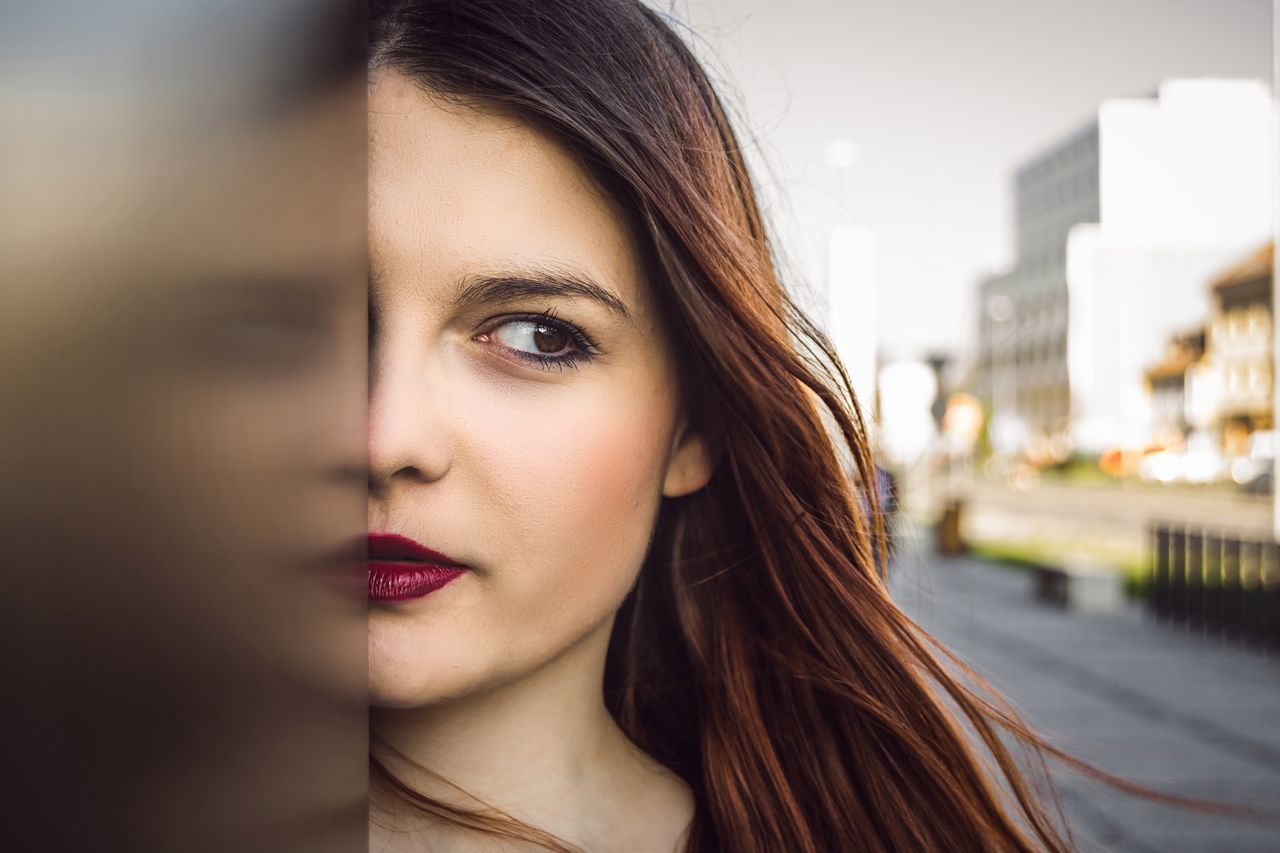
[619, 466]
[583, 490]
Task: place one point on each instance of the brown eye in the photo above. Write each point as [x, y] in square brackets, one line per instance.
[549, 339]
[541, 341]
[533, 337]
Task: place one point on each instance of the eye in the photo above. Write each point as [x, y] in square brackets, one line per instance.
[542, 340]
[537, 338]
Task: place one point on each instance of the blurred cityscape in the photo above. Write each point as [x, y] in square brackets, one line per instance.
[1042, 239]
[1086, 503]
[1123, 374]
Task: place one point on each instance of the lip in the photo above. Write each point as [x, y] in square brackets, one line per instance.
[401, 569]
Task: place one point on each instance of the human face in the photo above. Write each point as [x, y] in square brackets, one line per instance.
[524, 415]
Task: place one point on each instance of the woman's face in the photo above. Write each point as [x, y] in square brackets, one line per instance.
[524, 414]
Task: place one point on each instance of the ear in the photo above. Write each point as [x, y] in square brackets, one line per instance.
[689, 464]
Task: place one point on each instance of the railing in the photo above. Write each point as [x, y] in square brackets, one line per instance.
[1216, 582]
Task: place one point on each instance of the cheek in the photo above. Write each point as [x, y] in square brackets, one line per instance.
[558, 486]
[574, 479]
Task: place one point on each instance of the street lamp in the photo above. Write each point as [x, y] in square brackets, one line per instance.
[1000, 310]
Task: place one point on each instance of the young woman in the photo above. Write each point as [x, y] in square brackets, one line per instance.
[622, 596]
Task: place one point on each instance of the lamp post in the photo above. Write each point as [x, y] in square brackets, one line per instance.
[851, 286]
[999, 308]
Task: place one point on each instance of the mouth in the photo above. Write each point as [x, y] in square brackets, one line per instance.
[401, 569]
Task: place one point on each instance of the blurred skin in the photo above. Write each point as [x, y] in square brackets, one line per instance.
[545, 479]
[183, 370]
[184, 346]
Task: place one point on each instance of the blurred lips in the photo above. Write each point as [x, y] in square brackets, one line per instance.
[401, 569]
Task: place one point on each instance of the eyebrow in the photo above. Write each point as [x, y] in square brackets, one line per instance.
[509, 287]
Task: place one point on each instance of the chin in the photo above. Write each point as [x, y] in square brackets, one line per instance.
[398, 686]
[403, 694]
[401, 679]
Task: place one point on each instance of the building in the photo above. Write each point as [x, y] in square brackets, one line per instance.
[1240, 350]
[1118, 227]
[1167, 384]
[851, 312]
[1021, 373]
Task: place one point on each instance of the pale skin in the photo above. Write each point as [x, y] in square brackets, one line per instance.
[545, 477]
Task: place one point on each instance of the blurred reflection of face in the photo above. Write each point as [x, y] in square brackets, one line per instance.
[185, 342]
[524, 416]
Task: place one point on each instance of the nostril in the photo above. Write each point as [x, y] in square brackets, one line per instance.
[406, 473]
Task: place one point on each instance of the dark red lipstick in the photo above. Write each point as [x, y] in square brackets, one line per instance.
[401, 569]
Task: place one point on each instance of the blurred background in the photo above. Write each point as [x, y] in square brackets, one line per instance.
[1042, 237]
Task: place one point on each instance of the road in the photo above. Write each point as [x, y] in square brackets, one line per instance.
[1175, 712]
[1130, 504]
[1108, 520]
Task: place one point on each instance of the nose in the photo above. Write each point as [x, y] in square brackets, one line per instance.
[408, 438]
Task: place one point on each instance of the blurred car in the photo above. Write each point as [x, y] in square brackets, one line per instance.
[1253, 470]
[1161, 467]
[1201, 461]
[1263, 484]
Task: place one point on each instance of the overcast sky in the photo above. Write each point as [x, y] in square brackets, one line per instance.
[943, 100]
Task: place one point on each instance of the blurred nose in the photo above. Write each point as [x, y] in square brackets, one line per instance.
[408, 439]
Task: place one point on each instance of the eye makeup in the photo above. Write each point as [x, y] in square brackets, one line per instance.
[578, 346]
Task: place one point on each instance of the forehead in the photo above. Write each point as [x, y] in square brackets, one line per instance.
[455, 190]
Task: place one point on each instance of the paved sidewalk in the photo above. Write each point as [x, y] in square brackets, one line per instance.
[1174, 712]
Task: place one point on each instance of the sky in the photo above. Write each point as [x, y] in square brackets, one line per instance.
[941, 102]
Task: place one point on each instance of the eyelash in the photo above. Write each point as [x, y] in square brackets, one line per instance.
[586, 347]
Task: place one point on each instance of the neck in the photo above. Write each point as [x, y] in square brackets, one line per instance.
[544, 750]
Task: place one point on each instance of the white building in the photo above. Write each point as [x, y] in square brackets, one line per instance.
[1185, 187]
[1119, 228]
[851, 313]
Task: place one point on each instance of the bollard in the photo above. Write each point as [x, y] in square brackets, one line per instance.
[949, 542]
[1222, 584]
[1269, 595]
[1252, 614]
[1230, 596]
[1178, 576]
[1158, 593]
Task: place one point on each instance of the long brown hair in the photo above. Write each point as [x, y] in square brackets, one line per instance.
[759, 655]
